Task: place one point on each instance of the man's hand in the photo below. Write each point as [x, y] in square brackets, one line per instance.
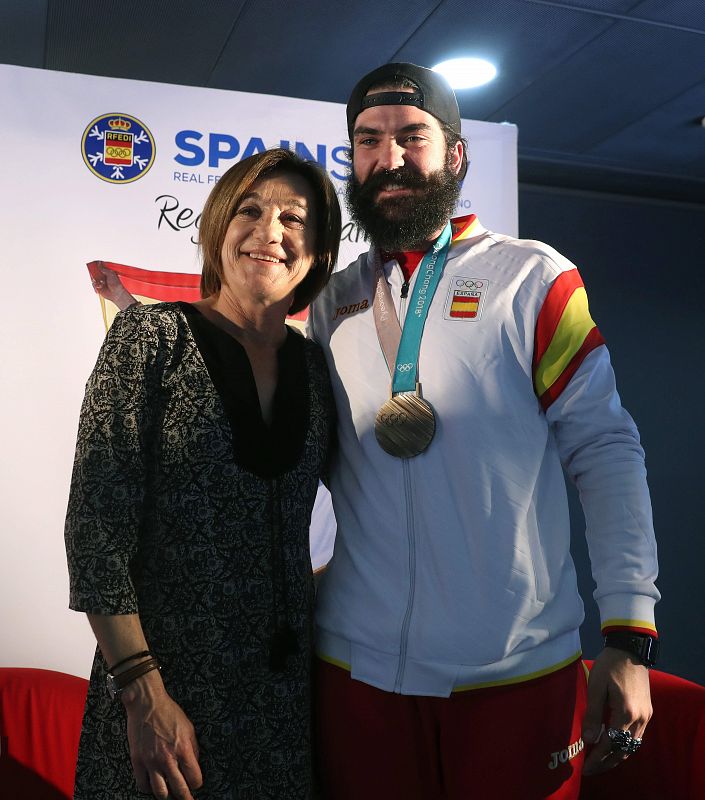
[163, 746]
[619, 685]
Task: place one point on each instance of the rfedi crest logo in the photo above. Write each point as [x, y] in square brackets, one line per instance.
[118, 148]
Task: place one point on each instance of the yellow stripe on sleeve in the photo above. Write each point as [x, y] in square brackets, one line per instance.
[629, 623]
[574, 326]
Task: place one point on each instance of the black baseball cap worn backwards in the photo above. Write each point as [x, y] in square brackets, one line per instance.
[434, 94]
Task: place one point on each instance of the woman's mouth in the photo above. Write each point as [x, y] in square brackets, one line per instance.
[265, 257]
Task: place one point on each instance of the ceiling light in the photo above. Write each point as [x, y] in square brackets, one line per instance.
[466, 73]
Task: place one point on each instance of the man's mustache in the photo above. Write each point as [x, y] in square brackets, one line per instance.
[402, 176]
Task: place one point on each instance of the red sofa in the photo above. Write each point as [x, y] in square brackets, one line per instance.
[41, 713]
[40, 722]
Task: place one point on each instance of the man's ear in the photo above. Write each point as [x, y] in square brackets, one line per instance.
[456, 157]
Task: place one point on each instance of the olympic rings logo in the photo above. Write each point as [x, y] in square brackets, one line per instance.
[404, 367]
[118, 152]
[394, 418]
[461, 282]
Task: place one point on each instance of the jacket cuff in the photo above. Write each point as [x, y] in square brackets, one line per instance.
[627, 612]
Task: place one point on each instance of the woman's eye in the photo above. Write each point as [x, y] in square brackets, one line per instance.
[292, 219]
[247, 211]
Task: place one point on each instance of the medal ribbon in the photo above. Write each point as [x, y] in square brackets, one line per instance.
[401, 347]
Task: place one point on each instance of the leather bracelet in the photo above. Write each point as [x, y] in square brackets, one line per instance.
[141, 654]
[116, 683]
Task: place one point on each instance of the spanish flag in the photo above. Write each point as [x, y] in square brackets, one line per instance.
[565, 334]
[152, 286]
[464, 305]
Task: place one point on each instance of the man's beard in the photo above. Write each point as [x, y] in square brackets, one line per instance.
[407, 222]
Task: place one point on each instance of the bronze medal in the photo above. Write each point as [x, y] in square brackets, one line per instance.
[405, 425]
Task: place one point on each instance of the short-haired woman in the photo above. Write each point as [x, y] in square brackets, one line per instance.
[202, 437]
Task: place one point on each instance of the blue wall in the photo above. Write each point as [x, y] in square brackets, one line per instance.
[643, 263]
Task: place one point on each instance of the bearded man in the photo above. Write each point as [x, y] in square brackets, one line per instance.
[449, 654]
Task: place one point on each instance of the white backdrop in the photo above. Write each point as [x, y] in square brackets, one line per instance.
[56, 214]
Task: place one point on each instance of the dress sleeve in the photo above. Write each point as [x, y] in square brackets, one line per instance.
[600, 449]
[108, 483]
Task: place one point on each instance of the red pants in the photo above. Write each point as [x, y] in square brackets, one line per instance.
[518, 742]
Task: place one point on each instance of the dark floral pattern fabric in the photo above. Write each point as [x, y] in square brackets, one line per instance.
[163, 522]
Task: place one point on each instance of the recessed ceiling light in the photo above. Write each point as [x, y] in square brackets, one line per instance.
[466, 73]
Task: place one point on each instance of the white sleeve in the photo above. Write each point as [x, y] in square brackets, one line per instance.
[599, 447]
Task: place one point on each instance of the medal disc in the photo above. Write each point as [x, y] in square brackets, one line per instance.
[405, 425]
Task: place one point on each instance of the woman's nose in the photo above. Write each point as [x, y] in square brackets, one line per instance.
[269, 228]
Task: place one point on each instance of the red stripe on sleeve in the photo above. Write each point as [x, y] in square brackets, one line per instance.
[553, 306]
[592, 340]
[629, 629]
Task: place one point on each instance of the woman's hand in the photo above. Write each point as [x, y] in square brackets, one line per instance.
[162, 740]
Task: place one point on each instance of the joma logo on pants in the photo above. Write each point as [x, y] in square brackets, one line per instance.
[564, 756]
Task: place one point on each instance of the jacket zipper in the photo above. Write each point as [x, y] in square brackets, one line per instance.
[410, 534]
[411, 539]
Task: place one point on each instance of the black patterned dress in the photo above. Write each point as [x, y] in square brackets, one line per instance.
[187, 509]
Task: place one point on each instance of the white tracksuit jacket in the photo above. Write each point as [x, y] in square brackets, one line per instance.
[452, 569]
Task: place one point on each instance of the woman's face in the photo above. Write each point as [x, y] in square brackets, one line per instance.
[269, 244]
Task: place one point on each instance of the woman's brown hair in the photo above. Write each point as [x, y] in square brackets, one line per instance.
[236, 183]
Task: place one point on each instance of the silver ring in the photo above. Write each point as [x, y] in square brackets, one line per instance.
[623, 741]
